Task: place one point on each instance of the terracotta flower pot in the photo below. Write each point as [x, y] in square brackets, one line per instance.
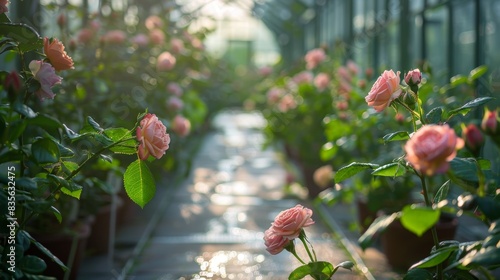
[403, 248]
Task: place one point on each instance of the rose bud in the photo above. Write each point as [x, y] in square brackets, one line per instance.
[473, 138]
[490, 122]
[414, 77]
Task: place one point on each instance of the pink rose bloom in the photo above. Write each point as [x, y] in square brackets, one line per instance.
[153, 22]
[274, 94]
[321, 81]
[153, 137]
[265, 71]
[342, 105]
[181, 126]
[344, 87]
[369, 73]
[290, 222]
[45, 74]
[95, 25]
[413, 77]
[177, 45]
[344, 74]
[85, 35]
[353, 67]
[166, 61]
[431, 148]
[304, 77]
[384, 91]
[175, 89]
[197, 44]
[286, 103]
[141, 40]
[314, 57]
[115, 37]
[3, 6]
[490, 122]
[274, 243]
[174, 103]
[157, 36]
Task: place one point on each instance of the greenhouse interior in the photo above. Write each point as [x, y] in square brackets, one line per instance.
[250, 139]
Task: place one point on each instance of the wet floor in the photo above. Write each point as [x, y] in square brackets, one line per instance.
[212, 226]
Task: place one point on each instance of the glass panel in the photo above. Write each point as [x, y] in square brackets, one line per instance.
[437, 47]
[464, 37]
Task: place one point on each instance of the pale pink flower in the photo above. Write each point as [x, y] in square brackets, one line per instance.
[141, 40]
[197, 44]
[153, 22]
[265, 71]
[181, 126]
[314, 57]
[287, 103]
[153, 137]
[175, 89]
[177, 45]
[384, 91]
[274, 94]
[431, 148]
[342, 105]
[274, 243]
[95, 24]
[166, 61]
[304, 77]
[413, 77]
[45, 74]
[85, 35]
[3, 6]
[114, 37]
[321, 81]
[290, 222]
[174, 103]
[344, 74]
[157, 36]
[353, 67]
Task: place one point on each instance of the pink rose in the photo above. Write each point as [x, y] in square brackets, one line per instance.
[431, 148]
[265, 71]
[157, 36]
[177, 45]
[413, 77]
[275, 243]
[304, 77]
[321, 81]
[85, 35]
[181, 126]
[153, 137]
[344, 74]
[3, 6]
[197, 44]
[353, 67]
[175, 89]
[141, 40]
[274, 94]
[174, 103]
[384, 91]
[114, 37]
[45, 74]
[314, 57]
[166, 61]
[153, 22]
[286, 103]
[489, 123]
[290, 222]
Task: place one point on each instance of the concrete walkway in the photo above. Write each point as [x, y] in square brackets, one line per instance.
[211, 227]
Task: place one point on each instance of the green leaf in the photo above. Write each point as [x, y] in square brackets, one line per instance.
[487, 257]
[396, 136]
[44, 151]
[434, 115]
[442, 193]
[72, 189]
[45, 121]
[464, 170]
[347, 265]
[418, 274]
[489, 206]
[94, 124]
[139, 183]
[436, 257]
[470, 105]
[377, 226]
[458, 80]
[318, 270]
[3, 128]
[32, 264]
[128, 147]
[328, 151]
[43, 249]
[24, 110]
[419, 219]
[352, 169]
[477, 72]
[14, 130]
[390, 170]
[26, 183]
[26, 37]
[56, 213]
[70, 165]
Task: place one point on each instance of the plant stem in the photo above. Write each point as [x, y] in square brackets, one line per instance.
[302, 238]
[428, 203]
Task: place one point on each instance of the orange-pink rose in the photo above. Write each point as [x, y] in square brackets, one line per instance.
[166, 61]
[431, 148]
[289, 223]
[54, 50]
[274, 243]
[114, 37]
[384, 91]
[314, 57]
[321, 81]
[153, 137]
